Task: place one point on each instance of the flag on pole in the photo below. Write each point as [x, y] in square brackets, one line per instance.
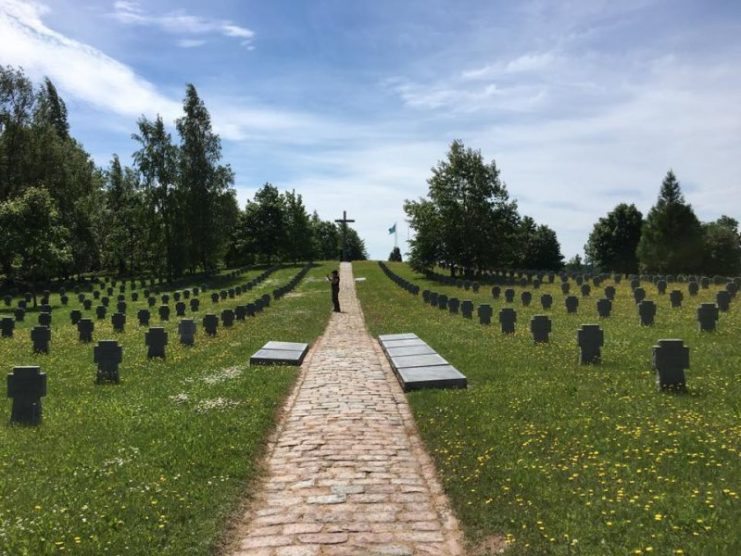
[392, 229]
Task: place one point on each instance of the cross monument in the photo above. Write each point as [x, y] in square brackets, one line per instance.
[344, 221]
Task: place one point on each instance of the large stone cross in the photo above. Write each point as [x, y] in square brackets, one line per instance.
[344, 221]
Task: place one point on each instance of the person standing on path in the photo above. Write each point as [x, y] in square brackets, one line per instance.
[335, 282]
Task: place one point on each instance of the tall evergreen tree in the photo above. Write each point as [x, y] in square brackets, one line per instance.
[614, 239]
[671, 240]
[202, 179]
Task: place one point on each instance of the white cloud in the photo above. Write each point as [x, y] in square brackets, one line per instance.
[190, 43]
[179, 22]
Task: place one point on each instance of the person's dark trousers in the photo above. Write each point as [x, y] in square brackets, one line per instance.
[336, 300]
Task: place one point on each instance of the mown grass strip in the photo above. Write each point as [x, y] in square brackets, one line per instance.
[558, 458]
[155, 464]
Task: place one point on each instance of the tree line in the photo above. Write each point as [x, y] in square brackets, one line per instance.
[174, 211]
[468, 221]
[670, 240]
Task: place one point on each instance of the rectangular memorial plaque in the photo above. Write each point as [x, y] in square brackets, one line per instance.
[439, 376]
[280, 353]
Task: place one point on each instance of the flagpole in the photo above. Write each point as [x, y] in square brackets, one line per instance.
[396, 237]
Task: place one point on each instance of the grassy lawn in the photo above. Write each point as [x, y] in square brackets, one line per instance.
[558, 458]
[156, 464]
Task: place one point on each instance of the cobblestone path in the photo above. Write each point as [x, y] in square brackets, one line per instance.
[347, 472]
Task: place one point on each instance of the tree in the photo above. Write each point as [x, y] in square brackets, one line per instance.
[299, 245]
[395, 255]
[614, 239]
[51, 110]
[671, 240]
[722, 247]
[33, 245]
[575, 263]
[202, 182]
[355, 246]
[325, 237]
[265, 223]
[467, 214]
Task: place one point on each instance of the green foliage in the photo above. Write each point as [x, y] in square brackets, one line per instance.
[722, 247]
[159, 463]
[614, 239]
[671, 240]
[325, 239]
[34, 243]
[537, 247]
[395, 255]
[557, 458]
[299, 245]
[355, 245]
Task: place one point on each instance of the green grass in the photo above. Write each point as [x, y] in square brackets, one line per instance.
[156, 464]
[558, 458]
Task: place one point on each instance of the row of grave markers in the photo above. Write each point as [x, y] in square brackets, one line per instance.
[26, 385]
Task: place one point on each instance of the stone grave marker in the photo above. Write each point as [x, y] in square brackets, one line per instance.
[467, 309]
[604, 307]
[210, 324]
[96, 294]
[187, 331]
[8, 299]
[509, 295]
[26, 386]
[646, 312]
[639, 294]
[134, 296]
[176, 296]
[590, 338]
[693, 288]
[723, 300]
[507, 320]
[240, 311]
[231, 293]
[85, 329]
[546, 301]
[44, 319]
[526, 297]
[485, 312]
[105, 301]
[426, 296]
[7, 325]
[280, 353]
[108, 356]
[155, 340]
[223, 294]
[670, 359]
[180, 309]
[45, 308]
[227, 317]
[675, 297]
[540, 327]
[661, 287]
[634, 283]
[87, 304]
[475, 287]
[75, 316]
[433, 299]
[22, 304]
[442, 301]
[732, 289]
[496, 292]
[453, 305]
[565, 288]
[585, 290]
[572, 304]
[41, 336]
[194, 304]
[164, 312]
[100, 312]
[165, 299]
[151, 301]
[121, 307]
[707, 316]
[64, 299]
[251, 309]
[143, 315]
[118, 321]
[536, 284]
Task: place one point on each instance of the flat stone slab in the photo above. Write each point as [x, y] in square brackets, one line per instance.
[417, 365]
[439, 376]
[280, 353]
[411, 350]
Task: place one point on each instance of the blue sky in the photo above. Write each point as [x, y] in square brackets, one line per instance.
[583, 104]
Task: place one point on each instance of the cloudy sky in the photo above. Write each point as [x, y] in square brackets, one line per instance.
[583, 104]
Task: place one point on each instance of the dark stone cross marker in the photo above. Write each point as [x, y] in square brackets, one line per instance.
[572, 303]
[187, 332]
[105, 301]
[344, 221]
[240, 311]
[223, 294]
[507, 320]
[509, 295]
[426, 296]
[546, 301]
[433, 299]
[251, 309]
[647, 312]
[723, 300]
[165, 299]
[540, 326]
[108, 356]
[467, 309]
[526, 297]
[151, 301]
[40, 336]
[586, 289]
[164, 312]
[590, 338]
[100, 312]
[155, 340]
[176, 296]
[87, 304]
[227, 317]
[20, 314]
[442, 301]
[7, 324]
[604, 307]
[75, 316]
[210, 324]
[180, 309]
[118, 321]
[670, 359]
[96, 295]
[707, 316]
[194, 304]
[44, 319]
[565, 288]
[134, 296]
[639, 294]
[693, 288]
[26, 386]
[453, 305]
[496, 292]
[85, 329]
[661, 287]
[485, 312]
[143, 315]
[676, 298]
[64, 299]
[214, 297]
[121, 307]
